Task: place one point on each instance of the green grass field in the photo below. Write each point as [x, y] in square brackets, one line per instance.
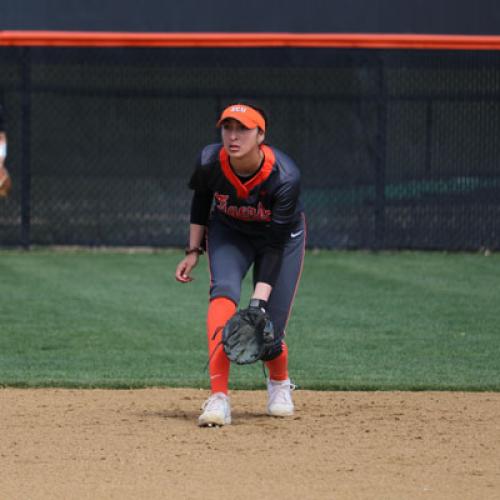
[403, 320]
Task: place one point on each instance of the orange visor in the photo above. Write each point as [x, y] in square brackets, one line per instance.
[246, 115]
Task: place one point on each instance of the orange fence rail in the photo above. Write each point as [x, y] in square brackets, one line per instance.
[312, 40]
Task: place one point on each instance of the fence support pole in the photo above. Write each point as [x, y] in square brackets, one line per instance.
[26, 149]
[428, 138]
[380, 160]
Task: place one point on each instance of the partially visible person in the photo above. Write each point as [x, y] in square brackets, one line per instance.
[5, 180]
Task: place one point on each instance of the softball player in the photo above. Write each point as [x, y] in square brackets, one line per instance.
[256, 219]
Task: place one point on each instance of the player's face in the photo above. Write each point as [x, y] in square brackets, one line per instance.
[238, 140]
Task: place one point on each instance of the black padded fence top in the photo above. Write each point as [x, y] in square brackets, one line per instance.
[317, 16]
[398, 149]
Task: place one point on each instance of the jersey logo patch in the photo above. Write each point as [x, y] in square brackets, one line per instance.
[245, 212]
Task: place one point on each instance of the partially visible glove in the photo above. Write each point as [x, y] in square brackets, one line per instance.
[5, 182]
[247, 334]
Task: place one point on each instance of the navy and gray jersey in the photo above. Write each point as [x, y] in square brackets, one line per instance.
[265, 208]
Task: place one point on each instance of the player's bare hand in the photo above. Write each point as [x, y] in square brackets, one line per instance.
[186, 265]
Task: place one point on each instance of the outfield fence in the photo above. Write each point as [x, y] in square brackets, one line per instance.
[397, 137]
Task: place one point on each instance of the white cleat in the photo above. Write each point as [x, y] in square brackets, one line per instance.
[279, 403]
[216, 411]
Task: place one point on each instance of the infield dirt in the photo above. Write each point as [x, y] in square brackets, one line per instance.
[145, 444]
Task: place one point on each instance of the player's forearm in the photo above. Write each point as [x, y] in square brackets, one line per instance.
[196, 235]
[262, 291]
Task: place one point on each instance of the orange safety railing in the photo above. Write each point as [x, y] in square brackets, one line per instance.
[312, 40]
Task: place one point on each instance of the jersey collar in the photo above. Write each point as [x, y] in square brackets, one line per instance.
[243, 188]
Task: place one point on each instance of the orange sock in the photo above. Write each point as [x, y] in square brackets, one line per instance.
[278, 367]
[220, 310]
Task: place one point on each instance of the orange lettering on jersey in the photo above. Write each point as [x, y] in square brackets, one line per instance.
[245, 212]
[221, 201]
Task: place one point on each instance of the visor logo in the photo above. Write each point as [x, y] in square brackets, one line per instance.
[238, 109]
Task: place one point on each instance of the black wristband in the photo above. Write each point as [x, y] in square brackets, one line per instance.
[197, 250]
[258, 303]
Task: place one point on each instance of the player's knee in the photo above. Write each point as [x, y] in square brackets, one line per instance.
[227, 289]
